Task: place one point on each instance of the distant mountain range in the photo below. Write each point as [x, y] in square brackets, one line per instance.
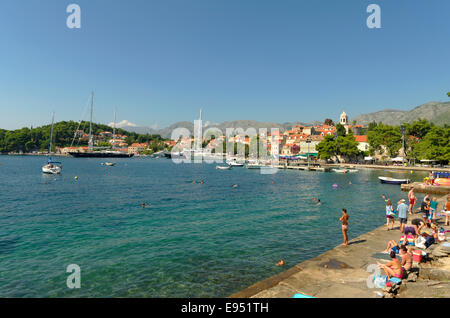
[244, 124]
[437, 112]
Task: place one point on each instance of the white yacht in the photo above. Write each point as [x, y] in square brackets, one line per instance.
[52, 167]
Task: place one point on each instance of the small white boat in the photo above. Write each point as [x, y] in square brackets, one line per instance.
[235, 164]
[389, 180]
[223, 167]
[340, 170]
[352, 170]
[110, 164]
[52, 167]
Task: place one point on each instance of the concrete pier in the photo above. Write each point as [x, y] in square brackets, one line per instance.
[423, 188]
[342, 272]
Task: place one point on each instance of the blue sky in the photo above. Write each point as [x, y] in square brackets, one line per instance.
[160, 61]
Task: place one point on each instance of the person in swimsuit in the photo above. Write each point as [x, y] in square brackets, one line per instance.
[433, 208]
[406, 258]
[389, 214]
[447, 211]
[425, 209]
[392, 268]
[412, 199]
[344, 219]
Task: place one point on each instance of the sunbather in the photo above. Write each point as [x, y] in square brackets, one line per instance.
[392, 268]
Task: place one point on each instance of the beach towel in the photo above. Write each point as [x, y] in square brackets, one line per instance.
[301, 296]
[395, 280]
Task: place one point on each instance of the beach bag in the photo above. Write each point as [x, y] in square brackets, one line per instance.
[420, 242]
[379, 280]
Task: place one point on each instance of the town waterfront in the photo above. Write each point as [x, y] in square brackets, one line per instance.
[192, 240]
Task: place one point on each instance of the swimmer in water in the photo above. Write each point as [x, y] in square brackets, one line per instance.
[314, 199]
[349, 182]
[280, 263]
[367, 180]
[202, 182]
[143, 204]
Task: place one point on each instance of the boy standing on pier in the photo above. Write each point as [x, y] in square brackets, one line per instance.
[411, 199]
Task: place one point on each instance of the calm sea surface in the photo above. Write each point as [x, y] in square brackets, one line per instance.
[192, 240]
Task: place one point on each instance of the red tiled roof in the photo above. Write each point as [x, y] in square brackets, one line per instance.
[361, 138]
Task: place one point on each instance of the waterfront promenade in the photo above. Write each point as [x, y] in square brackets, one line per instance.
[389, 167]
[342, 271]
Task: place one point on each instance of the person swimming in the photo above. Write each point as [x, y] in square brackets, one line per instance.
[280, 263]
[143, 204]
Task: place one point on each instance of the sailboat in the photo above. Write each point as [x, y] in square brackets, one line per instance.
[98, 154]
[52, 167]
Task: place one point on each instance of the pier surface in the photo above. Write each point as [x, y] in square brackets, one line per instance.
[342, 272]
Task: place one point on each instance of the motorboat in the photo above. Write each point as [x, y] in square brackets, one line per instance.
[223, 167]
[340, 170]
[393, 181]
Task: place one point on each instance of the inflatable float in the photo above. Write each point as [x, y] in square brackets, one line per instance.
[442, 181]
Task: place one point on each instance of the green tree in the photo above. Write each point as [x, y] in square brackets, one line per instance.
[328, 122]
[347, 146]
[384, 137]
[327, 147]
[340, 130]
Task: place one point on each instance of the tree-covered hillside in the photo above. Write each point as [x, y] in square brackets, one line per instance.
[37, 139]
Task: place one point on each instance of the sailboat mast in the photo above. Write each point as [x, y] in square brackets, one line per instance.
[51, 134]
[91, 138]
[114, 129]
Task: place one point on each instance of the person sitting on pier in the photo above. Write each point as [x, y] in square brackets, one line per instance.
[406, 256]
[404, 240]
[392, 268]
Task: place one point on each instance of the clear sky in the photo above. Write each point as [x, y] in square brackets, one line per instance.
[160, 61]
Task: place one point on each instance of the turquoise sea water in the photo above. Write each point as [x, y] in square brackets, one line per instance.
[193, 240]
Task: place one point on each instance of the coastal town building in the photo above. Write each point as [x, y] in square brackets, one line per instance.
[363, 145]
[135, 148]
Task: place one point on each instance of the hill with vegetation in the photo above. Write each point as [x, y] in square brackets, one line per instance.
[37, 139]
